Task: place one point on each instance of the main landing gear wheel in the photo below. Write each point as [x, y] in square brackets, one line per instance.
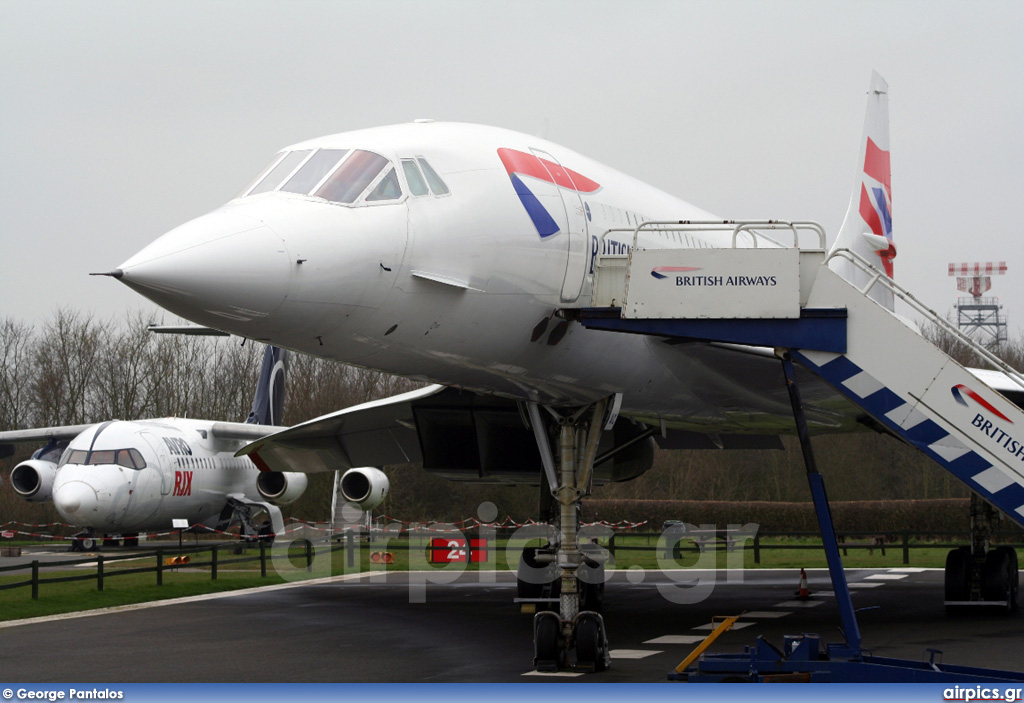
[591, 643]
[1014, 575]
[84, 543]
[996, 578]
[959, 568]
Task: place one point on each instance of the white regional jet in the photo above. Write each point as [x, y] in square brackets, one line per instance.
[442, 252]
[123, 478]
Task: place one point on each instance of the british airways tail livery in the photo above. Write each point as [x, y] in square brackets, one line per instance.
[867, 228]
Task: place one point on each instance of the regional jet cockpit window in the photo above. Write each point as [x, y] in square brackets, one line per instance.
[128, 458]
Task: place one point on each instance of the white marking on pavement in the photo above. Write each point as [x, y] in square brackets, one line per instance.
[713, 625]
[632, 653]
[676, 639]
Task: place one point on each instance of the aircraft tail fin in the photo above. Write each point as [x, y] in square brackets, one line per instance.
[867, 228]
[268, 404]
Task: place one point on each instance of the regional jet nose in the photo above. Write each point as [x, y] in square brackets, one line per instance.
[222, 266]
[75, 499]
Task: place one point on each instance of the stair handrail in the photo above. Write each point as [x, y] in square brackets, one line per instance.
[879, 277]
[737, 227]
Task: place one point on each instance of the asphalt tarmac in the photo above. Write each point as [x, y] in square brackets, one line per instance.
[362, 630]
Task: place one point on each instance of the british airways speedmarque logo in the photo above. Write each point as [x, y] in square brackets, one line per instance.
[519, 164]
[960, 390]
[660, 272]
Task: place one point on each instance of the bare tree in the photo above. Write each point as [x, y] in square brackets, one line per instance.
[15, 373]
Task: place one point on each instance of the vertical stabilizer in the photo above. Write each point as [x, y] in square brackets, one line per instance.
[268, 405]
[867, 229]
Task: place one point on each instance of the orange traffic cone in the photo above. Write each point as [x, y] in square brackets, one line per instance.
[802, 592]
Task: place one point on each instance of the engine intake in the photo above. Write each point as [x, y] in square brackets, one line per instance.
[281, 487]
[33, 480]
[366, 487]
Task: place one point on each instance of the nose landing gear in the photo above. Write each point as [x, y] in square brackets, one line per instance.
[555, 634]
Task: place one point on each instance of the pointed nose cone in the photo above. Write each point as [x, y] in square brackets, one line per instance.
[221, 267]
[75, 501]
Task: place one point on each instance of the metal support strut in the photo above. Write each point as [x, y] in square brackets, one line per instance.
[828, 532]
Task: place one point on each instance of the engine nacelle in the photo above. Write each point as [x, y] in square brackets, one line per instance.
[366, 487]
[281, 487]
[33, 480]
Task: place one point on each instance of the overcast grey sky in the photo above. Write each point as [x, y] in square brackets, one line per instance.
[121, 120]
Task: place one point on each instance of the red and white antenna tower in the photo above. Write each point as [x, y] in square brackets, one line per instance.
[977, 314]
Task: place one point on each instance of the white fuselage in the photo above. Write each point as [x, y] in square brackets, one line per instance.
[455, 288]
[185, 474]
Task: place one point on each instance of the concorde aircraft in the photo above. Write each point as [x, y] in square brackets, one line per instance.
[120, 478]
[450, 253]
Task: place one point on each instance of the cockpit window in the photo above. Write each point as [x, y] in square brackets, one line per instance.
[282, 170]
[74, 456]
[102, 457]
[417, 186]
[387, 189]
[436, 184]
[352, 177]
[128, 458]
[314, 170]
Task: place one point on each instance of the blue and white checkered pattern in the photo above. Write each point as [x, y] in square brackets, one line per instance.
[995, 484]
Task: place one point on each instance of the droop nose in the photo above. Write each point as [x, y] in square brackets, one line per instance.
[221, 265]
[75, 500]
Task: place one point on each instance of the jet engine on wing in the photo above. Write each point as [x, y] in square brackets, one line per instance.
[365, 486]
[281, 487]
[33, 480]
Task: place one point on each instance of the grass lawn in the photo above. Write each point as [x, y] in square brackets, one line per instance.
[288, 563]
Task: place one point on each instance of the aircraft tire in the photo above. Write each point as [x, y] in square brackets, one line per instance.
[959, 566]
[995, 577]
[1013, 573]
[88, 543]
[548, 654]
[591, 645]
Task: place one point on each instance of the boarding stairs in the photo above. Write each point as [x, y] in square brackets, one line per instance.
[790, 298]
[876, 359]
